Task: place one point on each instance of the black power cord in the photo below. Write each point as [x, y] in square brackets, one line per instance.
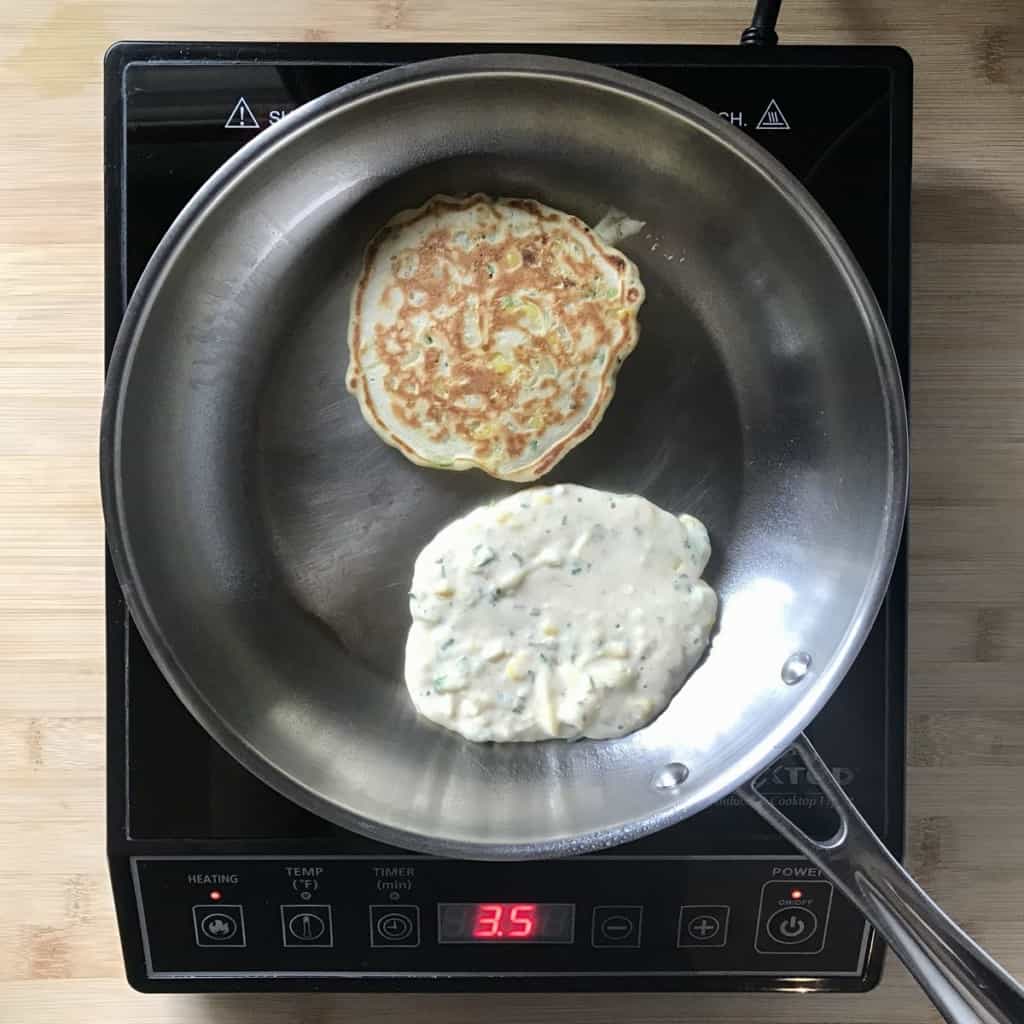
[762, 26]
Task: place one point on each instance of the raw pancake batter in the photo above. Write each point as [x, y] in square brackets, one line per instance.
[557, 612]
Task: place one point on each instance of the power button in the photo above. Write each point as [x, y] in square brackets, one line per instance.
[793, 917]
[792, 925]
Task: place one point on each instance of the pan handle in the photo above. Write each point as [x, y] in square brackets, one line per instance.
[961, 979]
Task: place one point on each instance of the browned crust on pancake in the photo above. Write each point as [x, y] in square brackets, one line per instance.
[475, 398]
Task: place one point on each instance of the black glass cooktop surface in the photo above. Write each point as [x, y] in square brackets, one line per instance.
[839, 119]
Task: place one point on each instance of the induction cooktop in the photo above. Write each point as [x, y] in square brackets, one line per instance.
[221, 883]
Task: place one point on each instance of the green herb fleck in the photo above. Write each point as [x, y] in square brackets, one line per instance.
[565, 520]
[447, 643]
[534, 612]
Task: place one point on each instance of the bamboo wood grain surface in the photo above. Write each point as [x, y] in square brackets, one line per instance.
[59, 956]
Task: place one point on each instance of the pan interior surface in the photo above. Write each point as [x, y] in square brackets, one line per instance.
[265, 537]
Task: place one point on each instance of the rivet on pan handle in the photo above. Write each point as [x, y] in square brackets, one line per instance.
[962, 980]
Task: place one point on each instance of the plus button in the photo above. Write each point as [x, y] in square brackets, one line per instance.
[703, 926]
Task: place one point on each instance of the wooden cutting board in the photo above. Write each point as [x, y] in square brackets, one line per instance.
[59, 958]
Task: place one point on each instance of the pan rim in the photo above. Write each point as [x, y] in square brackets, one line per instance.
[217, 188]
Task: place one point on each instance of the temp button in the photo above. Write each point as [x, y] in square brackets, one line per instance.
[307, 924]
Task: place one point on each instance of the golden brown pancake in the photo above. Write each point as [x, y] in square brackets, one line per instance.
[488, 333]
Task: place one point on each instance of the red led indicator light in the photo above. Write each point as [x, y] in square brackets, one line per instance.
[215, 894]
[796, 894]
[505, 920]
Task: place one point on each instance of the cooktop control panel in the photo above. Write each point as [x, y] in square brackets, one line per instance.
[265, 916]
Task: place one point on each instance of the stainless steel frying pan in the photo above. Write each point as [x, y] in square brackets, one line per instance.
[265, 538]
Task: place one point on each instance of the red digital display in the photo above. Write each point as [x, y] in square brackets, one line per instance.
[505, 920]
[522, 923]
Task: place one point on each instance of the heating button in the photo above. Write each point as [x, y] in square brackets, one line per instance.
[219, 925]
[793, 917]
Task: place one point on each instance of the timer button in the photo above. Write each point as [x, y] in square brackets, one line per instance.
[617, 926]
[394, 926]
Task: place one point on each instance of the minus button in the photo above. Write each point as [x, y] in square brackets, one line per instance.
[616, 926]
